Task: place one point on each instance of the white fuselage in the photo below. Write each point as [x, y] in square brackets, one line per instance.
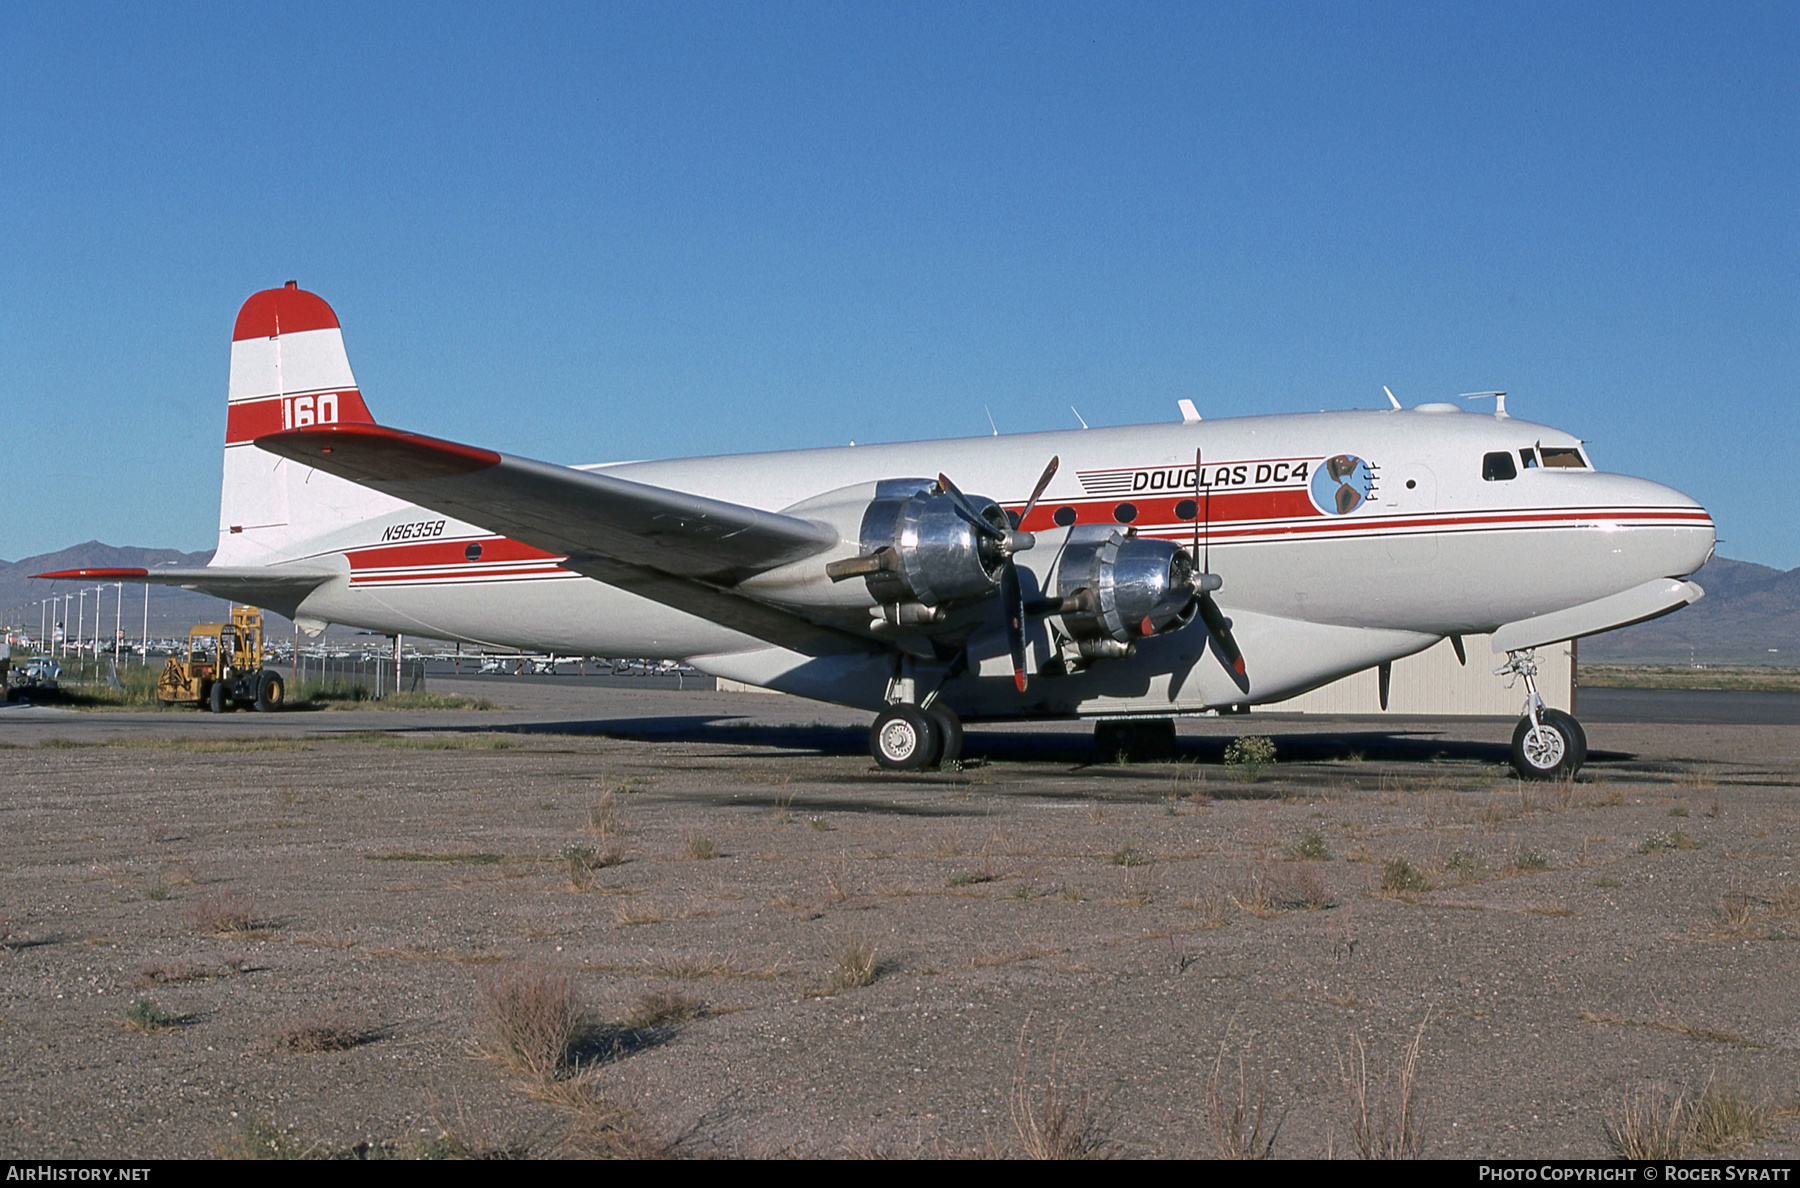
[1318, 583]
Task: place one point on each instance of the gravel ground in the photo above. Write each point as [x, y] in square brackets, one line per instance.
[300, 912]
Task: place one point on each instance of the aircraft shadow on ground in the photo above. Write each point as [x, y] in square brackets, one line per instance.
[1065, 749]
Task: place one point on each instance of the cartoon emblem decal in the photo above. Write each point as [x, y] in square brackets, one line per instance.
[1341, 484]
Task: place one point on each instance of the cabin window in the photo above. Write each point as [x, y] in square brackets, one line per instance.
[1125, 513]
[1498, 467]
[1562, 459]
[1529, 457]
[1064, 516]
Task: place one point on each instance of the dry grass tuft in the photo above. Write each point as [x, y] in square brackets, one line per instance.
[1310, 847]
[1055, 1121]
[1384, 1117]
[599, 1126]
[603, 816]
[534, 1016]
[1400, 877]
[1296, 888]
[583, 861]
[327, 1033]
[700, 849]
[1652, 1123]
[145, 1016]
[224, 914]
[1242, 1128]
[1647, 1124]
[854, 968]
[1724, 1119]
[664, 1008]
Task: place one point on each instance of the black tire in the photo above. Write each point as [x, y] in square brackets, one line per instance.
[218, 700]
[950, 733]
[271, 692]
[1556, 754]
[903, 738]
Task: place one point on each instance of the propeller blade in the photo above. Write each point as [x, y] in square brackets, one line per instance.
[967, 509]
[1014, 601]
[1214, 618]
[1037, 492]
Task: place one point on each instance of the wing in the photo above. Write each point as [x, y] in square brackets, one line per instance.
[557, 508]
[678, 549]
[279, 589]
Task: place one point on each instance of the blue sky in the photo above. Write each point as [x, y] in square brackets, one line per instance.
[595, 232]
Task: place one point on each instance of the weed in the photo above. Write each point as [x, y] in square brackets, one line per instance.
[1129, 856]
[700, 849]
[664, 1008]
[1239, 1126]
[1647, 1124]
[583, 861]
[256, 1139]
[534, 1015]
[1250, 753]
[159, 888]
[224, 915]
[968, 878]
[855, 967]
[1735, 909]
[1398, 876]
[820, 825]
[1607, 882]
[1680, 810]
[603, 816]
[1297, 888]
[1531, 860]
[1384, 1119]
[326, 1033]
[1724, 1119]
[1681, 841]
[1466, 865]
[144, 1015]
[1310, 848]
[1056, 1121]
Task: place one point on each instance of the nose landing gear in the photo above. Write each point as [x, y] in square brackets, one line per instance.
[1547, 744]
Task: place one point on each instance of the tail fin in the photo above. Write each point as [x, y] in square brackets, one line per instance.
[288, 370]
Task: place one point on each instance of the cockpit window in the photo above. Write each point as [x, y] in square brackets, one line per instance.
[1529, 457]
[1563, 458]
[1498, 467]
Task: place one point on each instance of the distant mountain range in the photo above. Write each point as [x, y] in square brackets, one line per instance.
[1750, 615]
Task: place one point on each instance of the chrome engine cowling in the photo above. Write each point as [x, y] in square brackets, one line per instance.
[930, 554]
[1114, 588]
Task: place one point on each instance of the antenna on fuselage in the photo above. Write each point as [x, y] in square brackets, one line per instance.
[1499, 398]
[1390, 395]
[1072, 409]
[990, 417]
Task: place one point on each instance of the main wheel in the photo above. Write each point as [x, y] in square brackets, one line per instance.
[950, 733]
[270, 692]
[904, 739]
[1555, 750]
[219, 700]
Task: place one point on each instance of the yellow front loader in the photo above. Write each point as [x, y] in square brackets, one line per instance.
[223, 668]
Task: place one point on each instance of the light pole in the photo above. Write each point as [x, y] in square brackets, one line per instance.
[80, 619]
[118, 620]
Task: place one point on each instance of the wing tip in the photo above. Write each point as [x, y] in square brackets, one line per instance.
[75, 574]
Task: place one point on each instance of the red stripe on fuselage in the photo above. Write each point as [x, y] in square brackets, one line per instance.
[418, 554]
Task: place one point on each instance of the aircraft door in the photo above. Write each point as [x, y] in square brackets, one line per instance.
[1409, 492]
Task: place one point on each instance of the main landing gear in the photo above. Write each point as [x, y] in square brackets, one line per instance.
[1547, 744]
[907, 738]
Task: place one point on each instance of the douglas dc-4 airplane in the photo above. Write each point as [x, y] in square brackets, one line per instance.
[1129, 574]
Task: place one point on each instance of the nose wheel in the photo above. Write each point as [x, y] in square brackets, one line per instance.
[1547, 744]
[1552, 748]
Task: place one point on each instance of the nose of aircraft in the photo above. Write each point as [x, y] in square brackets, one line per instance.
[1669, 533]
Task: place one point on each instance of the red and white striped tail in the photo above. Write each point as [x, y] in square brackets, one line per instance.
[288, 370]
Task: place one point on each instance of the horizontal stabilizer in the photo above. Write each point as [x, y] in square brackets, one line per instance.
[1652, 600]
[278, 589]
[556, 508]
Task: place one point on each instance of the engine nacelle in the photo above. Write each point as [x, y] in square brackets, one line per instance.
[924, 550]
[1115, 588]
